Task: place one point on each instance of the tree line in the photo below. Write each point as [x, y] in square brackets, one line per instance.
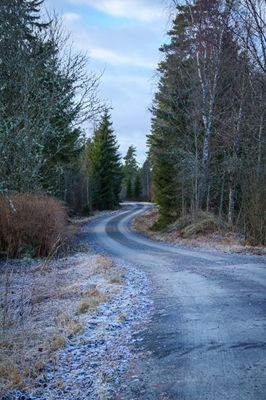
[46, 95]
[207, 146]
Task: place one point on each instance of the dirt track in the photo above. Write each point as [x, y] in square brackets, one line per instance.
[206, 339]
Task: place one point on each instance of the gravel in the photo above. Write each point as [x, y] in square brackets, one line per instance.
[91, 365]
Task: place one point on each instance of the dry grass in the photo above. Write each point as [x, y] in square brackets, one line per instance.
[115, 279]
[42, 306]
[144, 221]
[205, 231]
[90, 300]
[32, 225]
[103, 264]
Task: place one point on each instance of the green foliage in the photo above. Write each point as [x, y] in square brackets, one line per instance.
[207, 142]
[130, 169]
[166, 195]
[129, 192]
[160, 225]
[20, 135]
[137, 186]
[45, 94]
[106, 166]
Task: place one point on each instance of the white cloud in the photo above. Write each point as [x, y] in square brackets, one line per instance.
[142, 10]
[115, 46]
[127, 52]
[116, 58]
[129, 96]
[71, 17]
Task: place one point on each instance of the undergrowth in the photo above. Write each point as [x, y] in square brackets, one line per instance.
[32, 226]
[42, 305]
[193, 224]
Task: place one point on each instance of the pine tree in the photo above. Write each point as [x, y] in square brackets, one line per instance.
[20, 136]
[208, 115]
[137, 186]
[130, 170]
[129, 192]
[145, 174]
[106, 165]
[45, 96]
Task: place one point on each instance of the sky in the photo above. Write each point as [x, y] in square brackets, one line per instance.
[121, 38]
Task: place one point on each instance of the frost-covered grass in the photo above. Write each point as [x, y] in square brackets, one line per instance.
[43, 304]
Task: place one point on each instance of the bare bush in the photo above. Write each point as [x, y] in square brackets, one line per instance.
[254, 204]
[32, 225]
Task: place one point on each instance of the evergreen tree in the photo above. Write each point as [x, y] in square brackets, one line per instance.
[196, 92]
[106, 165]
[137, 186]
[145, 174]
[130, 170]
[20, 136]
[208, 114]
[45, 95]
[129, 192]
[171, 138]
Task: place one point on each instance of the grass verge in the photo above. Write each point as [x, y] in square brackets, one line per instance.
[204, 230]
[43, 304]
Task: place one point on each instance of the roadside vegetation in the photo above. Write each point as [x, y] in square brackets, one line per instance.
[43, 304]
[204, 230]
[206, 167]
[33, 226]
[207, 143]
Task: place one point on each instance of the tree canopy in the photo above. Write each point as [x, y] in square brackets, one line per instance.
[106, 165]
[208, 123]
[45, 95]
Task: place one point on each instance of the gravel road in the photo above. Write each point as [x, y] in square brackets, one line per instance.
[207, 337]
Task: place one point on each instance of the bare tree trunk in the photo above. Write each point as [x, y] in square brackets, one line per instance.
[233, 169]
[221, 200]
[207, 54]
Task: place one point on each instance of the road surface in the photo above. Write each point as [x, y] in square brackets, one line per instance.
[207, 337]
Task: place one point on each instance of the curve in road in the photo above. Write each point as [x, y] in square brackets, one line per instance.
[206, 339]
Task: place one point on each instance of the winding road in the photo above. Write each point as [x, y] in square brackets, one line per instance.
[207, 336]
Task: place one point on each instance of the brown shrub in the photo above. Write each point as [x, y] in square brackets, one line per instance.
[32, 225]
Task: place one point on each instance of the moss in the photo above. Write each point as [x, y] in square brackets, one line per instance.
[160, 225]
[202, 223]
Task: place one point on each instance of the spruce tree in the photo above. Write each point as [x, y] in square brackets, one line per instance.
[208, 114]
[129, 192]
[130, 170]
[45, 96]
[171, 135]
[106, 165]
[137, 186]
[20, 97]
[200, 95]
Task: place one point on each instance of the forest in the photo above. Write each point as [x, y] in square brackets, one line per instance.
[47, 96]
[207, 146]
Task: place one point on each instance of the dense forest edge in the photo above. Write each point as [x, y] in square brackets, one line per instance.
[207, 146]
[51, 168]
